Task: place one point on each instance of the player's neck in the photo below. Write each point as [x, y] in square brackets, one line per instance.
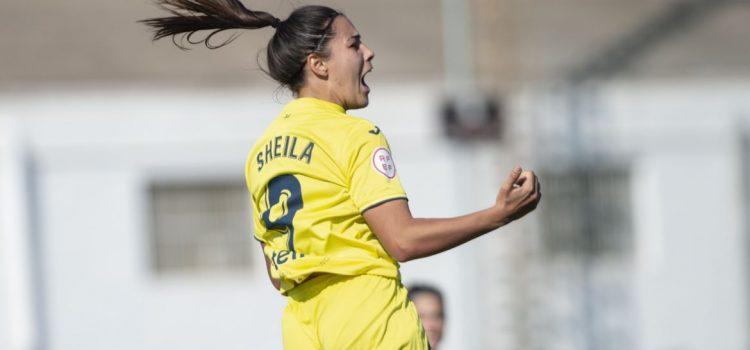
[319, 92]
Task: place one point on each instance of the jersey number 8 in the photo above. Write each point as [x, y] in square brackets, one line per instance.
[284, 199]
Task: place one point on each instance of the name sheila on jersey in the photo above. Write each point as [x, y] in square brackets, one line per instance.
[287, 148]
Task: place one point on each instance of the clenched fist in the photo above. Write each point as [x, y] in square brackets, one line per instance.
[519, 195]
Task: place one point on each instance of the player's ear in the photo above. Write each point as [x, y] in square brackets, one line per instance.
[317, 66]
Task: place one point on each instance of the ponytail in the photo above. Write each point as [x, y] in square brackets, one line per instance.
[307, 30]
[191, 16]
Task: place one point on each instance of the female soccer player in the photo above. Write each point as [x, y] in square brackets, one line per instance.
[328, 207]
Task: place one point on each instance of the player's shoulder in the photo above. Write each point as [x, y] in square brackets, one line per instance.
[262, 139]
[361, 127]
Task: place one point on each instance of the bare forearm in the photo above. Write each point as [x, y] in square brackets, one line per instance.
[424, 237]
[406, 238]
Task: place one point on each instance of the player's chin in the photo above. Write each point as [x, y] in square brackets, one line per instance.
[361, 101]
[364, 93]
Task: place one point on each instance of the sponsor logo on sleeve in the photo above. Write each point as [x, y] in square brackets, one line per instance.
[383, 162]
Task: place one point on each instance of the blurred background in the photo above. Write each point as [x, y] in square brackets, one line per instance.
[125, 223]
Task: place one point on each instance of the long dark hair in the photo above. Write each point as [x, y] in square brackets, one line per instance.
[307, 30]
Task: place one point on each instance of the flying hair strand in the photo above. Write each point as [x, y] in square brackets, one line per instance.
[191, 16]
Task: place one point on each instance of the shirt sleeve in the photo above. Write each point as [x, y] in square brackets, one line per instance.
[255, 199]
[257, 225]
[371, 170]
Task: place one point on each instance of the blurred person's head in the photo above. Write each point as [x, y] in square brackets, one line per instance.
[429, 303]
[315, 52]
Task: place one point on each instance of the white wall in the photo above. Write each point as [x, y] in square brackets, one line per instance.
[17, 328]
[688, 184]
[681, 140]
[96, 152]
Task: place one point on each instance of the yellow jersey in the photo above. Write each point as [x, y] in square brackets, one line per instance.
[311, 175]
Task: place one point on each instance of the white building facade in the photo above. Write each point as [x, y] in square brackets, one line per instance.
[80, 173]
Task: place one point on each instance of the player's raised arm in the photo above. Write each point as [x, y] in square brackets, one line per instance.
[407, 238]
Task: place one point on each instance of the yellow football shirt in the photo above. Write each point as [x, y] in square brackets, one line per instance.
[311, 175]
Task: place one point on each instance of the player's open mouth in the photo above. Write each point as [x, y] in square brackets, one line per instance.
[362, 80]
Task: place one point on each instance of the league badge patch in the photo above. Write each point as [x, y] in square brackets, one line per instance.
[383, 163]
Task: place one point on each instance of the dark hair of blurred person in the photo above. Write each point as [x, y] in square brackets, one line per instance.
[431, 309]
